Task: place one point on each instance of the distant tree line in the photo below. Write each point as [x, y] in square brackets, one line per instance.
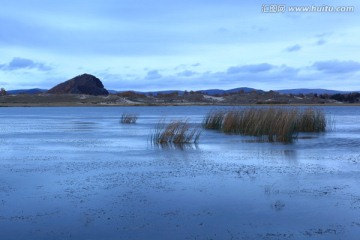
[131, 94]
[347, 97]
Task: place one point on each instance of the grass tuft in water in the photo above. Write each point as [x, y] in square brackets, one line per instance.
[267, 124]
[175, 132]
[128, 118]
[311, 120]
[214, 120]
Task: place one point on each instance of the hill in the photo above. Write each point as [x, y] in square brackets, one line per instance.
[82, 84]
[309, 91]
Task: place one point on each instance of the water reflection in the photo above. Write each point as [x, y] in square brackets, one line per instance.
[176, 146]
[119, 185]
[271, 154]
[289, 153]
[83, 125]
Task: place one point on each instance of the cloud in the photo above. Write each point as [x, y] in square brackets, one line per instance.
[324, 34]
[186, 73]
[258, 28]
[263, 74]
[322, 38]
[336, 66]
[18, 63]
[293, 48]
[222, 30]
[320, 42]
[184, 67]
[153, 74]
[254, 68]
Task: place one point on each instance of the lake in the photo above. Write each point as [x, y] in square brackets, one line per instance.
[77, 173]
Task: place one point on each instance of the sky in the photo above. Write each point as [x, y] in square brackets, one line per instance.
[147, 45]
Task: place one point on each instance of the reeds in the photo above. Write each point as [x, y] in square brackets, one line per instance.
[175, 132]
[214, 120]
[311, 120]
[267, 124]
[128, 118]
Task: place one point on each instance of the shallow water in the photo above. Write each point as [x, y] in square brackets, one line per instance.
[76, 173]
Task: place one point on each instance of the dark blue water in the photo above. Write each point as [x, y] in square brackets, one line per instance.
[76, 173]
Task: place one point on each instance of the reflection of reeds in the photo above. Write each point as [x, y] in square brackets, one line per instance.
[175, 132]
[271, 124]
[177, 146]
[128, 118]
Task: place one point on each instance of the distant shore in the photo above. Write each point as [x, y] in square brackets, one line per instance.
[163, 105]
[196, 99]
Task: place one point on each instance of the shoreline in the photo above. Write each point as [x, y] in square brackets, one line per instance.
[173, 105]
[81, 100]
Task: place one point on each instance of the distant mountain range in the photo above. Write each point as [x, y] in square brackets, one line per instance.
[247, 90]
[207, 92]
[308, 91]
[27, 91]
[234, 90]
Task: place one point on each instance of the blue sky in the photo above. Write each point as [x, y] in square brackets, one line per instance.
[173, 44]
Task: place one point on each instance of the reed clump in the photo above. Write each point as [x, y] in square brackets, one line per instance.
[175, 132]
[311, 120]
[267, 124]
[128, 118]
[214, 120]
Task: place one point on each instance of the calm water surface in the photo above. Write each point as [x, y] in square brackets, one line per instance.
[76, 173]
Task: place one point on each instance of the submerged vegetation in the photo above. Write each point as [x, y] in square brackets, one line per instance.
[128, 118]
[175, 132]
[270, 124]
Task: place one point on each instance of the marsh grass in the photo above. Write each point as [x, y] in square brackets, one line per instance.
[214, 120]
[128, 118]
[267, 124]
[311, 120]
[175, 132]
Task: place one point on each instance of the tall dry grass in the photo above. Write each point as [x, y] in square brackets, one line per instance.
[175, 132]
[267, 124]
[311, 120]
[214, 120]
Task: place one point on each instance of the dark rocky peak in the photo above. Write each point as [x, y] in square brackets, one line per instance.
[82, 84]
